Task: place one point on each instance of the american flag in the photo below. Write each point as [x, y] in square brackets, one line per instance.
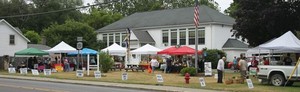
[196, 14]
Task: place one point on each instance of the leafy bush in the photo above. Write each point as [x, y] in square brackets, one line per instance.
[106, 62]
[190, 70]
[213, 56]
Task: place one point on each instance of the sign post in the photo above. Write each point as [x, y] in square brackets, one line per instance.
[23, 71]
[207, 69]
[250, 84]
[47, 72]
[160, 79]
[79, 73]
[202, 82]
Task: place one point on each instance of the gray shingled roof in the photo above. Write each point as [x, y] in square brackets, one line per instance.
[169, 17]
[234, 43]
[38, 46]
[143, 36]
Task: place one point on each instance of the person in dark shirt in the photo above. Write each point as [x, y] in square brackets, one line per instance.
[287, 60]
[169, 64]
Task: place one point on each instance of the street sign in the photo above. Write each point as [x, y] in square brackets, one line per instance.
[79, 45]
[250, 84]
[23, 70]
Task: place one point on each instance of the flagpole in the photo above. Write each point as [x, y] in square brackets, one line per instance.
[196, 51]
[196, 20]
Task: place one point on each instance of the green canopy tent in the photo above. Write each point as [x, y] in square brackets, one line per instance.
[32, 51]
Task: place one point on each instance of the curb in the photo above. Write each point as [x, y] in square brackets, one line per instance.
[91, 83]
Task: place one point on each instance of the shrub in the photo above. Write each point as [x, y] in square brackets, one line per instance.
[213, 56]
[190, 70]
[106, 62]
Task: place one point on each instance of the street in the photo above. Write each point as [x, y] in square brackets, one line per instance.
[14, 85]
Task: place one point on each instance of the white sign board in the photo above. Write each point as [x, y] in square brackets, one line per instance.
[12, 70]
[47, 72]
[250, 84]
[124, 76]
[97, 74]
[202, 82]
[252, 70]
[53, 70]
[35, 72]
[23, 70]
[159, 78]
[207, 69]
[79, 73]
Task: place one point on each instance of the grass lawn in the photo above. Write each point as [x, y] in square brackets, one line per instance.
[173, 79]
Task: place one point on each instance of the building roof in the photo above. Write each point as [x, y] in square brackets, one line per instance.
[143, 36]
[38, 46]
[17, 30]
[169, 17]
[234, 43]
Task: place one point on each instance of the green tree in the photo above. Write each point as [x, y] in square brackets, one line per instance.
[213, 56]
[128, 7]
[99, 18]
[33, 36]
[258, 21]
[68, 32]
[106, 62]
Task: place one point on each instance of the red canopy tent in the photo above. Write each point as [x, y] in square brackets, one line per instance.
[167, 50]
[179, 51]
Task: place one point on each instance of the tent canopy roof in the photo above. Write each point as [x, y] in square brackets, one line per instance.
[84, 51]
[31, 51]
[62, 47]
[115, 49]
[179, 51]
[146, 49]
[288, 42]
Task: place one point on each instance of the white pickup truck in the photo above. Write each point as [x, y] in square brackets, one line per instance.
[278, 74]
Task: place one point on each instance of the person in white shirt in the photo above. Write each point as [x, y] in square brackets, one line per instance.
[220, 69]
[154, 63]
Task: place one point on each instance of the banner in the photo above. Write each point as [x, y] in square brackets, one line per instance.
[207, 69]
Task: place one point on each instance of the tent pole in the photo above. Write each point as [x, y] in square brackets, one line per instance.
[97, 62]
[88, 64]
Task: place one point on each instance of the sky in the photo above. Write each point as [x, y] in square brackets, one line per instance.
[224, 4]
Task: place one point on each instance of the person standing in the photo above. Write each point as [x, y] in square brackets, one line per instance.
[243, 67]
[220, 69]
[235, 63]
[154, 63]
[287, 60]
[169, 64]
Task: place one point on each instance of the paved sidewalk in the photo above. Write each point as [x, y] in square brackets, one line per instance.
[108, 84]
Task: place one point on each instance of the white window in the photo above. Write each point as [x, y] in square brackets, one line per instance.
[173, 36]
[165, 37]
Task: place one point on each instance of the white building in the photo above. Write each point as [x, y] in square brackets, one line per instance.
[12, 40]
[164, 28]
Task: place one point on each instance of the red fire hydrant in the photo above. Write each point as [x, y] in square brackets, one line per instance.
[187, 78]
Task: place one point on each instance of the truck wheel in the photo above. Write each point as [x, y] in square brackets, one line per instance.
[277, 80]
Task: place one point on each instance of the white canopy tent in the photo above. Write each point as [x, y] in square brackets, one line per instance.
[146, 49]
[115, 49]
[62, 47]
[288, 42]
